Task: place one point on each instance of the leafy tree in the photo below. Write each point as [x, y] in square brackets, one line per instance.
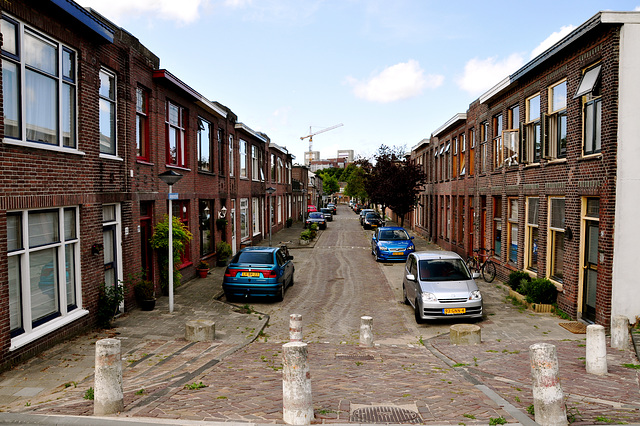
[160, 242]
[330, 185]
[355, 185]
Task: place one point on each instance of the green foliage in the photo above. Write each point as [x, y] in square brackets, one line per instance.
[88, 394]
[499, 421]
[223, 250]
[540, 290]
[330, 185]
[160, 242]
[109, 299]
[306, 235]
[355, 185]
[634, 366]
[194, 386]
[531, 410]
[515, 279]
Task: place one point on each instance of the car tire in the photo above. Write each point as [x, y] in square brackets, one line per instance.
[419, 319]
[378, 258]
[280, 295]
[229, 297]
[404, 295]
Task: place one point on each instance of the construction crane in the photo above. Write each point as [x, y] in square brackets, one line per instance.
[311, 135]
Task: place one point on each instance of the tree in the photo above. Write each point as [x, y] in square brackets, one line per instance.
[330, 185]
[355, 185]
[408, 179]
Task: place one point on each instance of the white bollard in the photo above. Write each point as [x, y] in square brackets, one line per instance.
[596, 350]
[108, 396]
[366, 331]
[548, 400]
[619, 332]
[295, 328]
[297, 406]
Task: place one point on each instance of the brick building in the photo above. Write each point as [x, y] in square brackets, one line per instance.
[541, 169]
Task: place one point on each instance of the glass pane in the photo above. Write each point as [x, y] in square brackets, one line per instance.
[69, 224]
[107, 127]
[11, 98]
[558, 255]
[141, 103]
[588, 81]
[534, 108]
[588, 128]
[173, 148]
[562, 135]
[68, 116]
[598, 119]
[515, 117]
[532, 218]
[107, 86]
[204, 141]
[497, 246]
[42, 108]
[559, 96]
[44, 283]
[593, 207]
[15, 296]
[533, 249]
[592, 242]
[592, 281]
[513, 252]
[174, 116]
[513, 209]
[14, 232]
[9, 37]
[140, 136]
[70, 267]
[40, 55]
[43, 228]
[108, 213]
[557, 213]
[69, 65]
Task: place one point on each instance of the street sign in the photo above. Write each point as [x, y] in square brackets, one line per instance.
[173, 195]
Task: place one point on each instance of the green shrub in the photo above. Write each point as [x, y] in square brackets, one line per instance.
[306, 235]
[540, 290]
[109, 299]
[515, 278]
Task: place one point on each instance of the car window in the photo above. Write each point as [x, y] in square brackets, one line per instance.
[280, 258]
[412, 265]
[372, 216]
[443, 270]
[316, 215]
[396, 234]
[253, 257]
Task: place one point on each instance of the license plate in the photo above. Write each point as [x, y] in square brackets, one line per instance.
[250, 274]
[452, 311]
[397, 253]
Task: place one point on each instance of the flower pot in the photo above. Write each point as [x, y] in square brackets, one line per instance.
[147, 304]
[221, 262]
[202, 273]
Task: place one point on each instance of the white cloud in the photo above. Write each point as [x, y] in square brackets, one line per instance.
[401, 81]
[482, 74]
[183, 11]
[551, 40]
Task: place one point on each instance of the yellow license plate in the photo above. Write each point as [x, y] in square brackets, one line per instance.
[250, 274]
[452, 311]
[397, 253]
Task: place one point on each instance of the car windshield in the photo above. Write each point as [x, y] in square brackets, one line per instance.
[443, 270]
[372, 216]
[325, 210]
[253, 257]
[316, 215]
[393, 234]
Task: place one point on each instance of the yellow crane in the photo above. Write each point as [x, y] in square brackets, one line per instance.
[311, 135]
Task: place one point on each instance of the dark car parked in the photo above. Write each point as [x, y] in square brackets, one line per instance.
[328, 214]
[332, 207]
[317, 218]
[372, 221]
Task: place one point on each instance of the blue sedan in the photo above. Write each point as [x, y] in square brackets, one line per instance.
[258, 271]
[391, 243]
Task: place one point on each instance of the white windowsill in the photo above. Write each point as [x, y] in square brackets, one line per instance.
[111, 157]
[44, 329]
[43, 146]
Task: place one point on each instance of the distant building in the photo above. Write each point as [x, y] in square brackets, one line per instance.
[316, 165]
[346, 154]
[310, 156]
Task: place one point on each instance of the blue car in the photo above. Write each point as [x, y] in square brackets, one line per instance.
[258, 271]
[391, 243]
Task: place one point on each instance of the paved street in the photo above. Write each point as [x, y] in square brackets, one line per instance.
[412, 369]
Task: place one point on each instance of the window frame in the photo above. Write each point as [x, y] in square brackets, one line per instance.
[180, 131]
[532, 235]
[143, 152]
[255, 165]
[243, 156]
[497, 226]
[553, 236]
[556, 118]
[112, 101]
[512, 223]
[203, 124]
[231, 156]
[592, 99]
[497, 141]
[531, 136]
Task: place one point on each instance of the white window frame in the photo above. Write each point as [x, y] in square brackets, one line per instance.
[243, 158]
[255, 167]
[111, 101]
[531, 223]
[179, 128]
[202, 125]
[552, 233]
[244, 219]
[255, 215]
[231, 155]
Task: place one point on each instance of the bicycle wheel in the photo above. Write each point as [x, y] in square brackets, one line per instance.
[472, 264]
[489, 271]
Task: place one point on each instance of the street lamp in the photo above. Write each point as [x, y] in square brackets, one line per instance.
[170, 177]
[270, 191]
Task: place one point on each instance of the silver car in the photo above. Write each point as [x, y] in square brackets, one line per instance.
[438, 285]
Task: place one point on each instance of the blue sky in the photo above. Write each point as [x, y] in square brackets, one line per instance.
[391, 71]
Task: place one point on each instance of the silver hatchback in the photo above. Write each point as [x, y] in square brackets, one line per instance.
[438, 285]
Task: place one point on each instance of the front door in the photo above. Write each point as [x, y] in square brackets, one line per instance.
[233, 226]
[110, 261]
[590, 278]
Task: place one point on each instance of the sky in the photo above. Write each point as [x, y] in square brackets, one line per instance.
[391, 72]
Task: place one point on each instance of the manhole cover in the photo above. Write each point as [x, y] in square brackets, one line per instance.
[356, 357]
[384, 415]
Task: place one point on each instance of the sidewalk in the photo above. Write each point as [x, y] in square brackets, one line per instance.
[437, 382]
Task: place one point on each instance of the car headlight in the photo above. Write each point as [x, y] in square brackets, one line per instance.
[475, 295]
[429, 297]
[411, 247]
[382, 248]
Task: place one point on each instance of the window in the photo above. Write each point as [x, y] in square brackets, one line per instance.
[556, 238]
[204, 145]
[463, 149]
[498, 152]
[472, 152]
[255, 166]
[497, 225]
[43, 267]
[512, 223]
[589, 91]
[531, 138]
[288, 173]
[142, 124]
[220, 151]
[511, 136]
[39, 87]
[556, 144]
[255, 212]
[244, 218]
[181, 211]
[107, 112]
[455, 157]
[484, 134]
[279, 170]
[230, 155]
[279, 208]
[206, 227]
[273, 168]
[531, 260]
[243, 158]
[176, 146]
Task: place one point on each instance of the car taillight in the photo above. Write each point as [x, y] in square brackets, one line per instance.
[231, 272]
[266, 273]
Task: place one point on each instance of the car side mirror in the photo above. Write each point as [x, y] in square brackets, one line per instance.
[411, 277]
[411, 238]
[475, 275]
[290, 257]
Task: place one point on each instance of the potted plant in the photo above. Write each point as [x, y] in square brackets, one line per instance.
[203, 269]
[289, 222]
[221, 223]
[145, 295]
[160, 242]
[223, 250]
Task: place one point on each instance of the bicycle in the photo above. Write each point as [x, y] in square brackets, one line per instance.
[487, 268]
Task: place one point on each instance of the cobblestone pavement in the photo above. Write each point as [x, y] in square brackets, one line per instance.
[439, 382]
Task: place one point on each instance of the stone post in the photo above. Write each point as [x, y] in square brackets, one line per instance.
[108, 396]
[596, 350]
[619, 332]
[297, 406]
[295, 328]
[548, 400]
[366, 331]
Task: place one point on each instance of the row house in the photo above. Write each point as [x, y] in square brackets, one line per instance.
[89, 121]
[541, 171]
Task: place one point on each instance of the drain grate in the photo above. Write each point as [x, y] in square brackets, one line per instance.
[357, 357]
[384, 415]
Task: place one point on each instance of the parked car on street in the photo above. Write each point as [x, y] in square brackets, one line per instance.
[372, 221]
[332, 207]
[363, 212]
[311, 208]
[438, 285]
[391, 243]
[328, 214]
[317, 218]
[258, 271]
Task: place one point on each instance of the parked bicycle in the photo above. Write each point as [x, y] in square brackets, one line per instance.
[486, 267]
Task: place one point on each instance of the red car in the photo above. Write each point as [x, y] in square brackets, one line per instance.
[311, 208]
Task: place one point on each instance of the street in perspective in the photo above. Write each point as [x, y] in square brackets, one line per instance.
[413, 372]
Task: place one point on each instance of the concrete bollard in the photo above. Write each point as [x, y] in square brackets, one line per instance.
[619, 332]
[596, 350]
[297, 406]
[548, 400]
[200, 331]
[465, 334]
[295, 328]
[366, 331]
[108, 397]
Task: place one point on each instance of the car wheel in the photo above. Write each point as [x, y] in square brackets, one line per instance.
[419, 319]
[280, 296]
[404, 295]
[378, 255]
[229, 297]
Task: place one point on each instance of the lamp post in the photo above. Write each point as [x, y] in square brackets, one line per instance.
[170, 177]
[270, 191]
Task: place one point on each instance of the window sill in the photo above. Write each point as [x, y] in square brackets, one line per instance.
[45, 329]
[111, 157]
[43, 146]
[597, 156]
[206, 172]
[557, 284]
[556, 161]
[144, 162]
[173, 166]
[531, 165]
